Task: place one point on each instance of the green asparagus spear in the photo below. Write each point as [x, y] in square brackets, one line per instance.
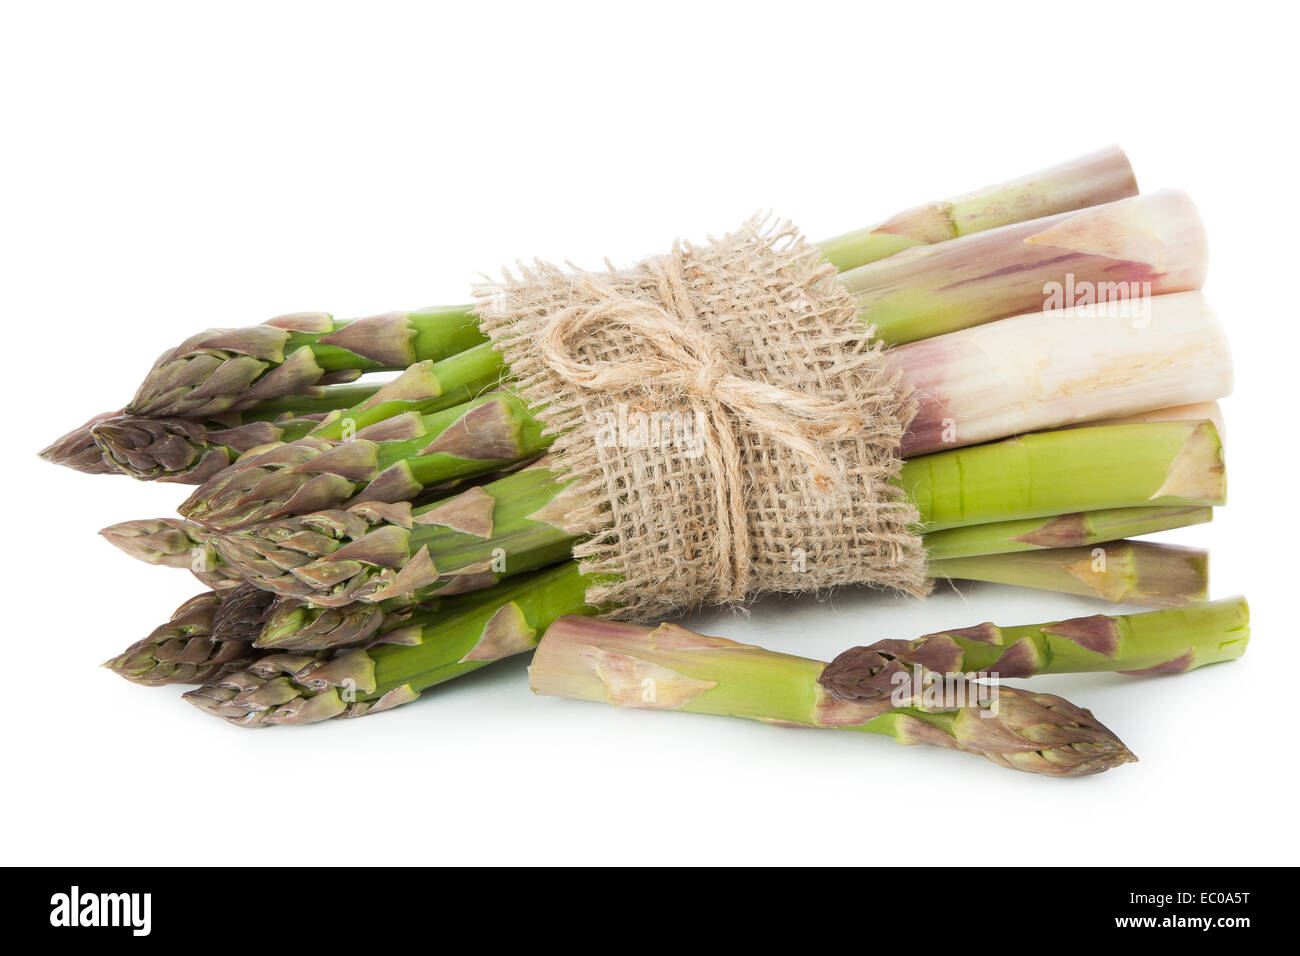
[183, 650]
[393, 460]
[376, 551]
[173, 543]
[1122, 572]
[422, 388]
[77, 449]
[1077, 469]
[1060, 531]
[184, 450]
[222, 370]
[670, 668]
[1157, 642]
[291, 624]
[190, 450]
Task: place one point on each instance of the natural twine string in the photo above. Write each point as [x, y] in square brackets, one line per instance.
[679, 355]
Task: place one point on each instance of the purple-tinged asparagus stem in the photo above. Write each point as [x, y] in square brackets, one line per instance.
[670, 668]
[1122, 572]
[1049, 369]
[1100, 177]
[173, 543]
[183, 650]
[1144, 245]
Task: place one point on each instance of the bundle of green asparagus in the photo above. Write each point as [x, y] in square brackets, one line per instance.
[363, 539]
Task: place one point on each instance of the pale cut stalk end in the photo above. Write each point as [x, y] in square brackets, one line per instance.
[1089, 363]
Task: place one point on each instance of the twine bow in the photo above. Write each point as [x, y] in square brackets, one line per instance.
[677, 356]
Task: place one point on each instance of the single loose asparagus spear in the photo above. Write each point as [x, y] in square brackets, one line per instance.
[464, 634]
[1123, 572]
[1049, 369]
[1136, 247]
[1158, 642]
[375, 551]
[670, 668]
[1100, 177]
[173, 543]
[393, 460]
[182, 651]
[1062, 531]
[222, 370]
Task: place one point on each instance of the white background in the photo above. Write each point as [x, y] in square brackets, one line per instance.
[171, 167]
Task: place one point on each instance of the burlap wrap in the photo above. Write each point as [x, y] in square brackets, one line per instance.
[779, 422]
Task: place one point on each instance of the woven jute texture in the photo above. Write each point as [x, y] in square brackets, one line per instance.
[729, 427]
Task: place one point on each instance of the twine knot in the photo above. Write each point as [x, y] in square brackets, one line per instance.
[674, 354]
[677, 355]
